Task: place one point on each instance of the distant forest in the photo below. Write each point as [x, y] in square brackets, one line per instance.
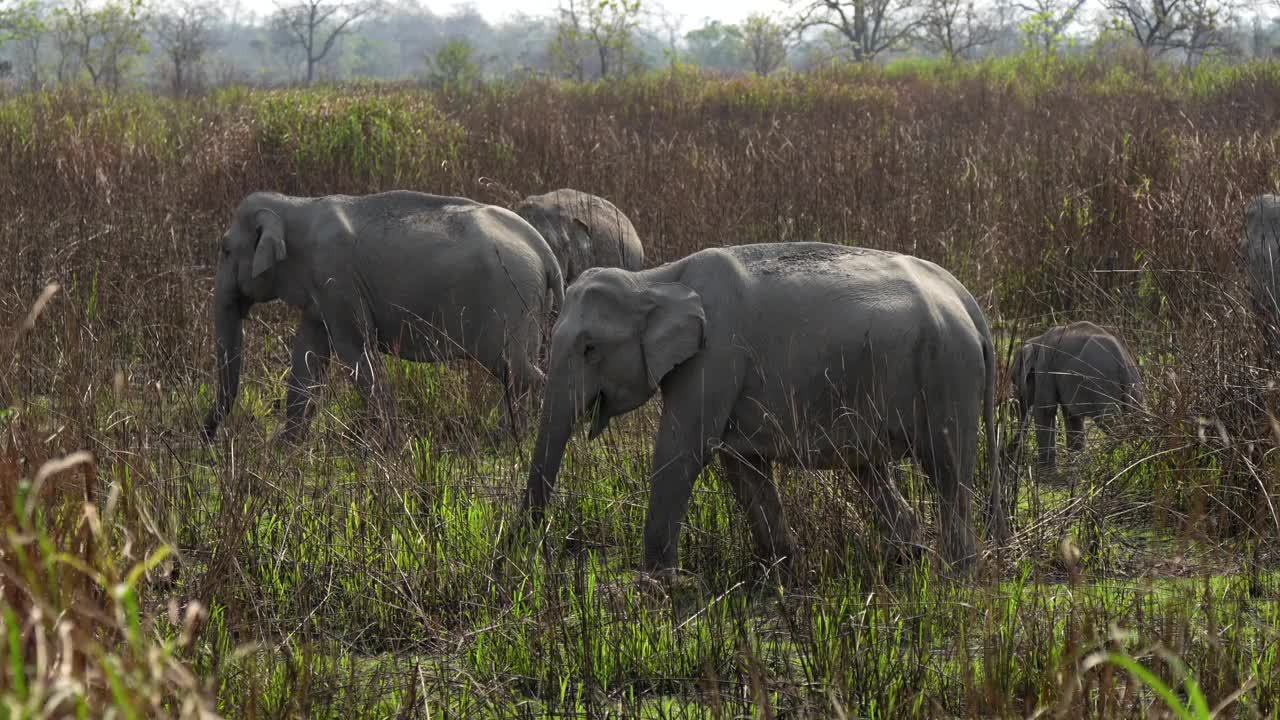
[188, 46]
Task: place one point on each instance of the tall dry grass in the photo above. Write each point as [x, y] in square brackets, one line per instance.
[1087, 191]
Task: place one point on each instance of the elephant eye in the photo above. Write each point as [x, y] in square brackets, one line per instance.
[590, 352]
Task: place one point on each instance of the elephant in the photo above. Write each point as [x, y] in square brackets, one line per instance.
[584, 231]
[803, 354]
[1259, 257]
[424, 277]
[1080, 368]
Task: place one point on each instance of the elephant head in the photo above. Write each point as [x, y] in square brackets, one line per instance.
[1023, 375]
[251, 250]
[618, 335]
[568, 235]
[1259, 254]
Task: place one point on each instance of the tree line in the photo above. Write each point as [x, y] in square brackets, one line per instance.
[186, 46]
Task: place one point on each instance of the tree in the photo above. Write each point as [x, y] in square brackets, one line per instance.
[1211, 31]
[569, 46]
[611, 25]
[523, 43]
[1047, 21]
[605, 28]
[185, 34]
[17, 18]
[314, 26]
[1159, 26]
[954, 28]
[670, 23]
[22, 24]
[764, 42]
[454, 65]
[106, 41]
[715, 46]
[869, 26]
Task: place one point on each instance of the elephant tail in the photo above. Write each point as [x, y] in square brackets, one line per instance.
[998, 518]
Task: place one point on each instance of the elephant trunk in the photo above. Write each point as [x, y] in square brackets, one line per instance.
[559, 415]
[228, 339]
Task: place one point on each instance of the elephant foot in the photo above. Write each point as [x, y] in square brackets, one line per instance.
[209, 430]
[902, 543]
[1046, 470]
[770, 573]
[960, 559]
[523, 542]
[388, 443]
[287, 438]
[777, 563]
[668, 585]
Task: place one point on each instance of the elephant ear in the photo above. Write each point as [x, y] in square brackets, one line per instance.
[673, 329]
[1024, 369]
[270, 248]
[580, 244]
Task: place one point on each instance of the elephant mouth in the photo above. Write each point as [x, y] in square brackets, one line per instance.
[599, 418]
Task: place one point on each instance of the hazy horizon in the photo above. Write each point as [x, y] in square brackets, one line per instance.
[494, 11]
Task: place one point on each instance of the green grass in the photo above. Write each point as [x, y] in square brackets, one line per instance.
[581, 633]
[337, 582]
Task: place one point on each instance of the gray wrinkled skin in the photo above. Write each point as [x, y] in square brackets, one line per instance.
[584, 231]
[805, 354]
[1081, 369]
[426, 277]
[1259, 256]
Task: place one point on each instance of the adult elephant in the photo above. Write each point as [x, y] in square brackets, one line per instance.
[425, 277]
[1259, 256]
[808, 354]
[584, 231]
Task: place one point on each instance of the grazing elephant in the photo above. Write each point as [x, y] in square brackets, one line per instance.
[1080, 368]
[808, 354]
[425, 277]
[1259, 256]
[584, 231]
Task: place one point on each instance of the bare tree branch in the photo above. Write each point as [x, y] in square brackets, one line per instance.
[185, 33]
[1048, 20]
[1159, 26]
[870, 26]
[314, 26]
[955, 28]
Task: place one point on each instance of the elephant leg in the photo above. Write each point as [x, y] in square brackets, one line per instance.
[1046, 419]
[1108, 421]
[519, 373]
[751, 479]
[898, 523]
[310, 360]
[675, 469]
[949, 461]
[696, 401]
[1075, 432]
[356, 351]
[520, 382]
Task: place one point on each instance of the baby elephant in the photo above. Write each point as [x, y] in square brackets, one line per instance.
[1081, 368]
[584, 231]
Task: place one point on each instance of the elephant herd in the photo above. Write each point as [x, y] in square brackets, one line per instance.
[800, 354]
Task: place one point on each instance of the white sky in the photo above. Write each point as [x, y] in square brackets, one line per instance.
[694, 11]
